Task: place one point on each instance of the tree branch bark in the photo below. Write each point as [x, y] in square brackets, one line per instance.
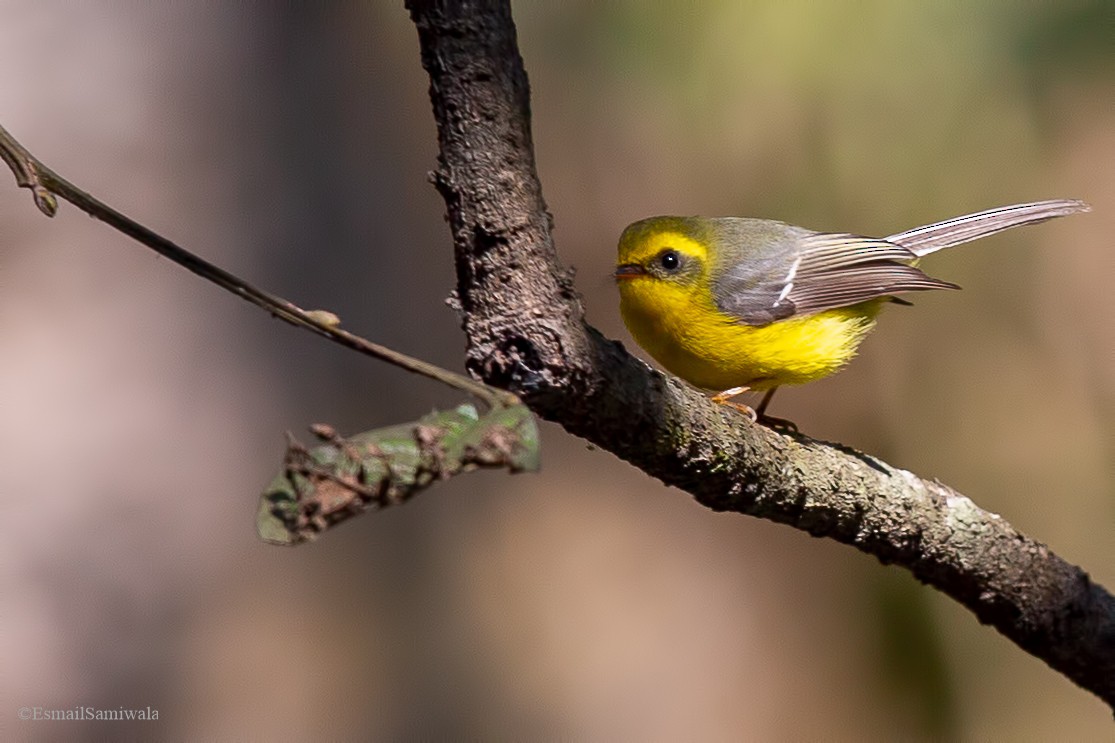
[526, 333]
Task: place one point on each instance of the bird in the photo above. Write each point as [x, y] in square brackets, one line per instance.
[737, 304]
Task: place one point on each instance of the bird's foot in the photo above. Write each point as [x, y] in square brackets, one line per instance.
[725, 398]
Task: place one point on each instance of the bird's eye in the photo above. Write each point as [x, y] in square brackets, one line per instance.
[669, 259]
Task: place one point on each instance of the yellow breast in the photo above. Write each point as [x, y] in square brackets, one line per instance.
[685, 332]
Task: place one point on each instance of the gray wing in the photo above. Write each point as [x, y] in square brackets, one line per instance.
[824, 271]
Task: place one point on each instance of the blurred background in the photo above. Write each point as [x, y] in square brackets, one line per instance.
[143, 409]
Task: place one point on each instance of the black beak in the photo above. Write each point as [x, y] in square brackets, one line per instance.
[629, 270]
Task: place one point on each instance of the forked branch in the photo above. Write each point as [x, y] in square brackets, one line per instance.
[527, 334]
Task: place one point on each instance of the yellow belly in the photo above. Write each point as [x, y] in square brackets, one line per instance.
[695, 341]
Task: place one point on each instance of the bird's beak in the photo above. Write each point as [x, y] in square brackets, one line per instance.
[629, 271]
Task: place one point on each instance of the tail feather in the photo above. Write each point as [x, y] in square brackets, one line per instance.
[931, 238]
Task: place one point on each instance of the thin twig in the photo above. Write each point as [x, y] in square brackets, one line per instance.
[44, 183]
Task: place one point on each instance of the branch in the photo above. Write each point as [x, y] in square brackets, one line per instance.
[344, 477]
[526, 333]
[44, 184]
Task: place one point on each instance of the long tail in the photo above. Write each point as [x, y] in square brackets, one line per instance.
[933, 237]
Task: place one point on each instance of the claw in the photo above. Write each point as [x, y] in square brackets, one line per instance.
[778, 424]
[755, 415]
[725, 398]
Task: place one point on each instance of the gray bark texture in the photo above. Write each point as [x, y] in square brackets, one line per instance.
[526, 333]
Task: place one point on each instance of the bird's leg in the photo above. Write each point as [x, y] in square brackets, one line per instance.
[725, 398]
[769, 420]
[761, 411]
